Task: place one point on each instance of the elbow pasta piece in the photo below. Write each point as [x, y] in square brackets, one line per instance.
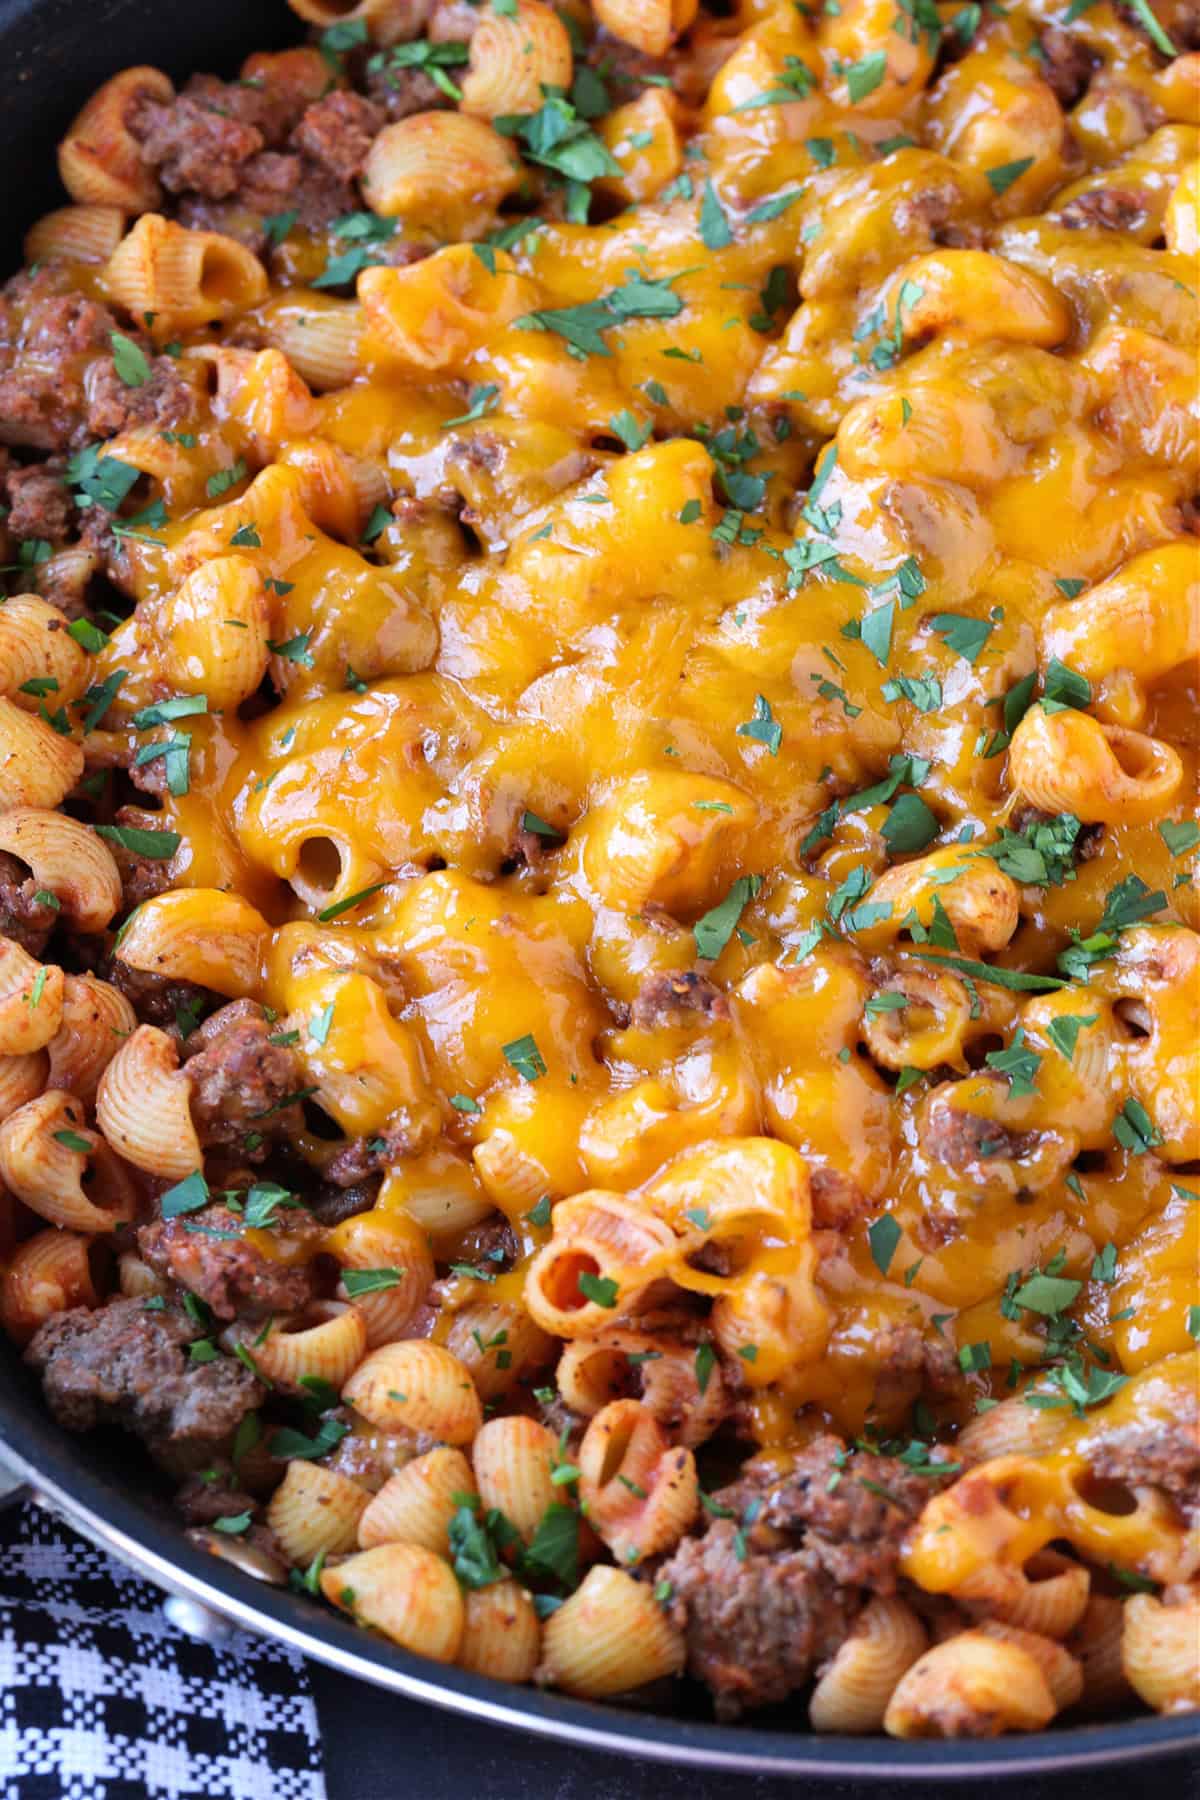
[387, 21]
[609, 1638]
[337, 492]
[980, 900]
[96, 1019]
[408, 1594]
[38, 768]
[674, 840]
[67, 859]
[143, 1109]
[47, 1274]
[424, 167]
[975, 294]
[417, 1503]
[650, 26]
[644, 138]
[606, 1239]
[321, 340]
[1159, 1650]
[214, 630]
[501, 1633]
[22, 1079]
[852, 1693]
[514, 57]
[594, 1371]
[1049, 1595]
[201, 935]
[327, 1343]
[1103, 774]
[971, 1685]
[1064, 1677]
[1145, 618]
[1096, 1645]
[35, 648]
[99, 159]
[315, 1511]
[185, 278]
[931, 1028]
[46, 1149]
[437, 313]
[396, 1248]
[513, 1459]
[416, 1386]
[31, 1001]
[640, 1494]
[82, 234]
[499, 1343]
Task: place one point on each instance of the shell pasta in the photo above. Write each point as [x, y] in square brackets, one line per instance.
[599, 942]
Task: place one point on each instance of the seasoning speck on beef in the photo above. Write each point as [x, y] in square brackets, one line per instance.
[194, 147]
[23, 917]
[850, 1509]
[127, 1366]
[243, 1086]
[112, 405]
[755, 1625]
[1105, 209]
[208, 1254]
[676, 999]
[39, 505]
[337, 131]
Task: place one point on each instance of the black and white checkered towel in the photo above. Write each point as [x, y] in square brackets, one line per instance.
[101, 1699]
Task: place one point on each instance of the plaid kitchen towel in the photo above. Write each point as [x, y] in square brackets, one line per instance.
[101, 1699]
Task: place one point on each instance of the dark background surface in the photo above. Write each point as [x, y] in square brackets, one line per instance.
[53, 54]
[379, 1747]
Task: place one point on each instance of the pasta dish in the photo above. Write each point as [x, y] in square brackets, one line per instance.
[599, 977]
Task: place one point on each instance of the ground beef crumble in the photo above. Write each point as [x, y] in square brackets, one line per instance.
[126, 1365]
[207, 1254]
[243, 1086]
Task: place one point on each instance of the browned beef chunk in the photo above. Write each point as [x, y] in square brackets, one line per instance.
[930, 215]
[837, 1200]
[202, 1501]
[141, 876]
[401, 92]
[270, 104]
[756, 1625]
[337, 131]
[41, 390]
[363, 1157]
[1155, 1452]
[194, 147]
[157, 999]
[491, 1245]
[23, 917]
[913, 1363]
[112, 405]
[1105, 209]
[39, 505]
[849, 1509]
[243, 1086]
[272, 183]
[124, 1365]
[676, 999]
[208, 1254]
[958, 1138]
[334, 1204]
[1066, 64]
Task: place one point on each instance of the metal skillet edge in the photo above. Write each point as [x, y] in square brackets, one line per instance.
[49, 64]
[55, 1472]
